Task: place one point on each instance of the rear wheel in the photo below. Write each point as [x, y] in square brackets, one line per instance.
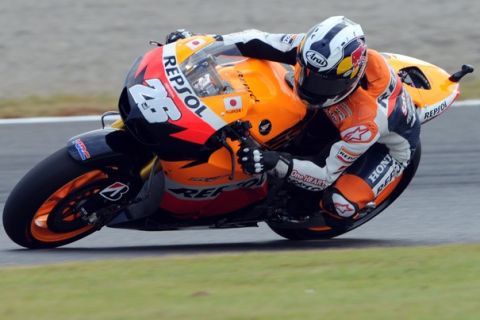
[42, 210]
[326, 232]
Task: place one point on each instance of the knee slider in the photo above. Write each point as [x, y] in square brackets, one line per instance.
[335, 203]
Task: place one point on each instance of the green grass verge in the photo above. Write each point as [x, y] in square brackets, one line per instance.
[470, 89]
[57, 105]
[67, 105]
[384, 283]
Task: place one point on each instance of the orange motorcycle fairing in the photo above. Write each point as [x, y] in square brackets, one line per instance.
[195, 189]
[258, 93]
[430, 87]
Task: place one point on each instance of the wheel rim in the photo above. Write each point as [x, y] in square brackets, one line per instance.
[39, 226]
[321, 228]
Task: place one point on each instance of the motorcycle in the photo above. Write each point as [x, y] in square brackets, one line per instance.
[169, 162]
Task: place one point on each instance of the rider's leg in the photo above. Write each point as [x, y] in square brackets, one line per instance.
[367, 182]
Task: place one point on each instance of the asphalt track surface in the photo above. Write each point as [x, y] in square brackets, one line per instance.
[440, 206]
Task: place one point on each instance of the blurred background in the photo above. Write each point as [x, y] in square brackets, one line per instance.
[85, 47]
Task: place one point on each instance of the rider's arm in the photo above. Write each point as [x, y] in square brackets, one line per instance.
[355, 141]
[269, 46]
[312, 174]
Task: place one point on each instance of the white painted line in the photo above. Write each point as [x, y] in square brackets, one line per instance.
[458, 104]
[57, 119]
[467, 103]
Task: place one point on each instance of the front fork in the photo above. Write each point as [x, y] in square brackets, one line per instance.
[135, 180]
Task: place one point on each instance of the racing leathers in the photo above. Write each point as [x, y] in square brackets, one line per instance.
[377, 123]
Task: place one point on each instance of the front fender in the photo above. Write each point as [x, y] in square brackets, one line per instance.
[107, 146]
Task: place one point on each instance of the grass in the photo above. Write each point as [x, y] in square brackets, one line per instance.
[470, 89]
[57, 105]
[67, 105]
[389, 283]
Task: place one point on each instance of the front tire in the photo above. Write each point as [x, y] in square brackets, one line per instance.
[40, 211]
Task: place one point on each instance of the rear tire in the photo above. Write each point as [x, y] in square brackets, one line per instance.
[53, 185]
[325, 232]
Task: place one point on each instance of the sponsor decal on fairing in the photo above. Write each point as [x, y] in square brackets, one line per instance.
[181, 88]
[208, 179]
[195, 43]
[153, 102]
[247, 87]
[265, 127]
[115, 191]
[81, 149]
[174, 100]
[186, 192]
[233, 104]
[430, 112]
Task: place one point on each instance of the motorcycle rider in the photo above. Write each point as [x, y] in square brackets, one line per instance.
[361, 95]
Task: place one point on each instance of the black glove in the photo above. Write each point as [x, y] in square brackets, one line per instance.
[257, 161]
[177, 35]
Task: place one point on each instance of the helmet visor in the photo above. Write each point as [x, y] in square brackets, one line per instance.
[319, 85]
[323, 91]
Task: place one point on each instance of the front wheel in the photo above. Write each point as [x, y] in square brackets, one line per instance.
[42, 210]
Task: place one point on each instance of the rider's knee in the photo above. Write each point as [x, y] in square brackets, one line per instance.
[346, 199]
[335, 204]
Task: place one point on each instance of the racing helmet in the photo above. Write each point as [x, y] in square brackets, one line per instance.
[331, 60]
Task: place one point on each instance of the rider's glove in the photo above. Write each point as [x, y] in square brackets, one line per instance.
[177, 35]
[257, 161]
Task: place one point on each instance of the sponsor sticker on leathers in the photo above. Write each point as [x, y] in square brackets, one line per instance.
[338, 113]
[357, 134]
[346, 156]
[342, 206]
[288, 38]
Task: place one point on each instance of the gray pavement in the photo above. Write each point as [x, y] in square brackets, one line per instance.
[441, 205]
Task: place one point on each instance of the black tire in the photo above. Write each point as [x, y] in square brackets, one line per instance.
[296, 233]
[34, 191]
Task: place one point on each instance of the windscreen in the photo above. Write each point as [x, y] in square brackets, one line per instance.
[203, 68]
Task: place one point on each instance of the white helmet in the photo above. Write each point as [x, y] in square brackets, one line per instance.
[331, 61]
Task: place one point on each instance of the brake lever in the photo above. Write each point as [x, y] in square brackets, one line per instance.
[237, 131]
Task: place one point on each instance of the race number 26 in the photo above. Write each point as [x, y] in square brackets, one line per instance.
[153, 102]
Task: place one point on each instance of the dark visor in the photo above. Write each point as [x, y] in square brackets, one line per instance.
[323, 86]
